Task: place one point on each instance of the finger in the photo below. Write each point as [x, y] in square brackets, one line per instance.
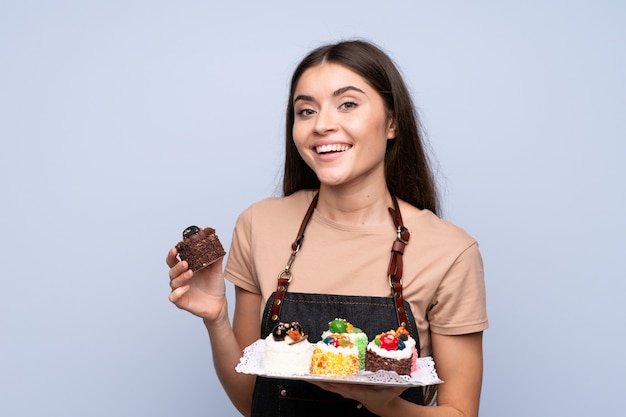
[179, 269]
[172, 258]
[327, 386]
[181, 280]
[337, 388]
[177, 294]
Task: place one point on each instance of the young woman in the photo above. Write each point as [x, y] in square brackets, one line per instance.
[358, 185]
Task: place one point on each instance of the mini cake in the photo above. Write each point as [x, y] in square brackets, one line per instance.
[335, 355]
[287, 350]
[356, 336]
[338, 353]
[394, 350]
[199, 247]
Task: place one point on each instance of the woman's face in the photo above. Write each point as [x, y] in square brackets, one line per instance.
[340, 126]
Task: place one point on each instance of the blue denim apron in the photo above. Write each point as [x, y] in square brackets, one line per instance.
[292, 398]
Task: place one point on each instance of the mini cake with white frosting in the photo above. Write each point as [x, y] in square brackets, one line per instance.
[287, 350]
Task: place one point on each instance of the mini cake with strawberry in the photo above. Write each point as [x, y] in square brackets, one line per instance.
[339, 351]
[287, 350]
[394, 350]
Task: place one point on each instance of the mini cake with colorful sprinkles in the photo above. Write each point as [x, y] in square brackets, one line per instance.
[338, 351]
[356, 336]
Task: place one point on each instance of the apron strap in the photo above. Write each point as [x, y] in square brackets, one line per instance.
[284, 278]
[395, 263]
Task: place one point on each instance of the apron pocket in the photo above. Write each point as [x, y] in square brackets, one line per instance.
[301, 399]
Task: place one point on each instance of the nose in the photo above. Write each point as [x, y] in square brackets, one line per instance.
[325, 122]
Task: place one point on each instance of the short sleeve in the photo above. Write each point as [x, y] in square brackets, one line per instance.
[459, 306]
[239, 267]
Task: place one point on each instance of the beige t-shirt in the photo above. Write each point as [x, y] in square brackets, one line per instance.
[442, 276]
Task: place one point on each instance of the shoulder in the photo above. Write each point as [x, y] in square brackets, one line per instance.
[428, 228]
[278, 210]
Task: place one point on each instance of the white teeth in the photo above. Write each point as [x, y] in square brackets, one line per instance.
[331, 148]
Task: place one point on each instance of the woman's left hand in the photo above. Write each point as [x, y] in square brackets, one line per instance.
[375, 398]
[459, 362]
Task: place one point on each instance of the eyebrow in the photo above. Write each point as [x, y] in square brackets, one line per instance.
[336, 93]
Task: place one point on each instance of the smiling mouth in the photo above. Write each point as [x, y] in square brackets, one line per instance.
[331, 148]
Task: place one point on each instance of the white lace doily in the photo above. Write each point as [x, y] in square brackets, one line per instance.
[252, 360]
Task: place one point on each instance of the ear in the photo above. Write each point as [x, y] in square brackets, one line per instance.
[391, 128]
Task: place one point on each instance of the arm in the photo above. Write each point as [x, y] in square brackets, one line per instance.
[227, 344]
[458, 360]
[459, 363]
[204, 294]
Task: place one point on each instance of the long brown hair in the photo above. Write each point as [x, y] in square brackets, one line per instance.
[407, 168]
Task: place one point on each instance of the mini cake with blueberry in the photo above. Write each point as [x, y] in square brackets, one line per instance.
[356, 336]
[394, 350]
[338, 351]
[287, 350]
[200, 247]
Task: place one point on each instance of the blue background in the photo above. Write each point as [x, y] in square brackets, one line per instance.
[122, 122]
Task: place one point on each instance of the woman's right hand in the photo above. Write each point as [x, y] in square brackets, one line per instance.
[202, 293]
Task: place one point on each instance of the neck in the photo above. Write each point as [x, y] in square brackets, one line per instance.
[356, 207]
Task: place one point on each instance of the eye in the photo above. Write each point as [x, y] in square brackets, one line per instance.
[348, 105]
[305, 112]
